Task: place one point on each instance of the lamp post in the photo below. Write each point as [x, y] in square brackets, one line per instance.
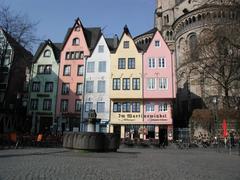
[215, 102]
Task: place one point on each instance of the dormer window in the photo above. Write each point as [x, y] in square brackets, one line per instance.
[126, 44]
[47, 53]
[157, 43]
[76, 42]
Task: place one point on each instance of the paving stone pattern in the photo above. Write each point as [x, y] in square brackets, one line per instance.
[126, 164]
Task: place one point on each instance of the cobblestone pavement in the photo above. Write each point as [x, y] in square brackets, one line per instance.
[127, 163]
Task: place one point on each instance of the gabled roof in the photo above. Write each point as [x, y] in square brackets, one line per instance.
[19, 50]
[145, 45]
[112, 43]
[56, 47]
[127, 32]
[92, 35]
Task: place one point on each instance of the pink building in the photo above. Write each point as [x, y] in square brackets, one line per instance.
[77, 47]
[159, 89]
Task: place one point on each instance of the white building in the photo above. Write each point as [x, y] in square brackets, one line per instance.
[97, 83]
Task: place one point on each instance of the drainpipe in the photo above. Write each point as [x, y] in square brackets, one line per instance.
[143, 83]
[83, 96]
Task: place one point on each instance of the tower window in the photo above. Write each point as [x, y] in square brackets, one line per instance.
[76, 41]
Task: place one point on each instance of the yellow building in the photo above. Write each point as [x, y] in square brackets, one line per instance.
[126, 86]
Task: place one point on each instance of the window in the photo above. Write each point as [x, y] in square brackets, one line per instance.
[116, 84]
[48, 69]
[101, 86]
[67, 56]
[151, 83]
[136, 84]
[102, 66]
[44, 69]
[150, 107]
[126, 107]
[73, 55]
[34, 104]
[126, 44]
[75, 42]
[47, 53]
[78, 105]
[64, 105]
[121, 63]
[151, 63]
[131, 63]
[88, 106]
[48, 86]
[79, 89]
[65, 88]
[135, 107]
[67, 70]
[80, 70]
[100, 48]
[40, 69]
[35, 86]
[162, 107]
[162, 62]
[47, 104]
[100, 107]
[126, 84]
[117, 107]
[163, 83]
[89, 87]
[90, 67]
[77, 55]
[157, 43]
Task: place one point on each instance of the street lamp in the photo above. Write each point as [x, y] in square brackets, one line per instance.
[215, 101]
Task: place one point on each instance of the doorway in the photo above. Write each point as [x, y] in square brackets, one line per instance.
[163, 136]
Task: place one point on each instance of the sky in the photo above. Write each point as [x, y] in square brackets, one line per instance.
[56, 16]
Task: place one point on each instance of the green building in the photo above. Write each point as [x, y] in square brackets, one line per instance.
[43, 86]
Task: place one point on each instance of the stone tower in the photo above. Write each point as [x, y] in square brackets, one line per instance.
[164, 19]
[181, 23]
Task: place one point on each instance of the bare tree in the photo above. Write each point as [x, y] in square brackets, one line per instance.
[18, 26]
[216, 56]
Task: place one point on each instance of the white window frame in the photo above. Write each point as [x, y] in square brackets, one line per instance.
[153, 83]
[151, 63]
[150, 107]
[163, 107]
[157, 43]
[162, 62]
[161, 83]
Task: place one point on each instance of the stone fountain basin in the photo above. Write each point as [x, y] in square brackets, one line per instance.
[91, 141]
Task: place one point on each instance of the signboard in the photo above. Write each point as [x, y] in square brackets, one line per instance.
[135, 117]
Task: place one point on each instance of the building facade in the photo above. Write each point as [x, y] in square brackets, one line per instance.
[159, 84]
[77, 47]
[15, 62]
[43, 86]
[126, 87]
[97, 83]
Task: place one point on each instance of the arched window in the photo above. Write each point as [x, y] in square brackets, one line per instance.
[47, 53]
[193, 46]
[76, 41]
[199, 17]
[193, 19]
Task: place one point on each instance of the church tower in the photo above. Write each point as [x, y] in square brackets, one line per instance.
[164, 19]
